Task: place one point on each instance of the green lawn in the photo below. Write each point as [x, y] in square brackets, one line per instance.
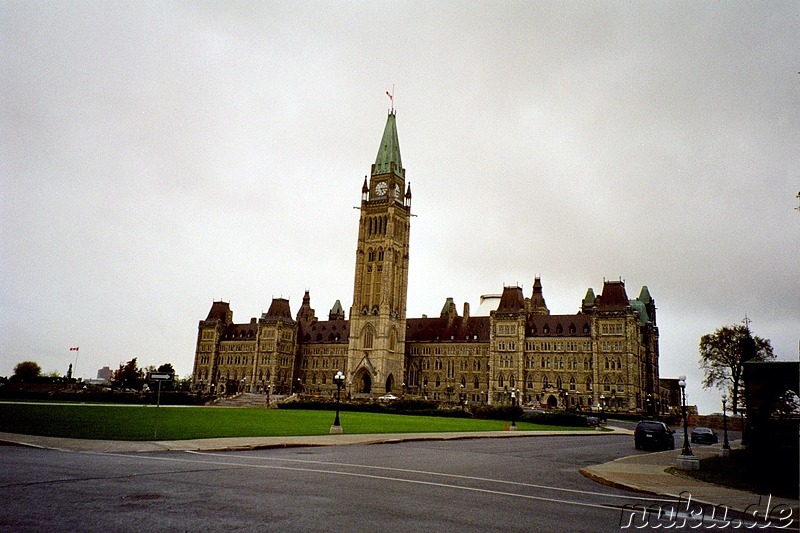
[175, 423]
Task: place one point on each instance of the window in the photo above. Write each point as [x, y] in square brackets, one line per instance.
[620, 385]
[572, 384]
[368, 338]
[607, 384]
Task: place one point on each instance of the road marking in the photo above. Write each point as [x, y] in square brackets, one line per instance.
[440, 474]
[615, 508]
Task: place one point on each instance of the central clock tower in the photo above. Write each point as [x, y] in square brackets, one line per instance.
[378, 315]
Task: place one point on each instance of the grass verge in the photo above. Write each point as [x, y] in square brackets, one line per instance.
[115, 422]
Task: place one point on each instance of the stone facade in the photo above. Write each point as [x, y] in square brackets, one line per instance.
[605, 353]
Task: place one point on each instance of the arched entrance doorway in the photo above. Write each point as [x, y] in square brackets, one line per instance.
[364, 382]
[552, 402]
[389, 383]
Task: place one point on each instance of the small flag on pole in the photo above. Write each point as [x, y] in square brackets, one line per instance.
[390, 96]
[75, 349]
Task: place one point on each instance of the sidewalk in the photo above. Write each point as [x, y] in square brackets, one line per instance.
[643, 472]
[648, 473]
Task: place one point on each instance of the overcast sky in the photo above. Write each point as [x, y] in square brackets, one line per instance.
[158, 156]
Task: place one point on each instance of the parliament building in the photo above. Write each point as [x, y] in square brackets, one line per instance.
[605, 354]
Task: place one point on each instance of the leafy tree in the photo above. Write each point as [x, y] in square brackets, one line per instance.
[722, 354]
[27, 370]
[129, 376]
[168, 368]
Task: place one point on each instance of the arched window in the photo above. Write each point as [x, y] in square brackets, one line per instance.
[606, 384]
[438, 382]
[572, 383]
[511, 381]
[545, 383]
[500, 380]
[559, 384]
[368, 336]
[475, 383]
[620, 385]
[589, 384]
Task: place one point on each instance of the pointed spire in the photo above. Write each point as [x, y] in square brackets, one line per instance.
[388, 159]
[538, 305]
[644, 295]
[336, 313]
[305, 312]
[588, 300]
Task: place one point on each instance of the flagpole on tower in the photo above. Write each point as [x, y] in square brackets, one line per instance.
[391, 98]
[76, 349]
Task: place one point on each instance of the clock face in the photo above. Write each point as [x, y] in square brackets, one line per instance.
[381, 188]
[397, 191]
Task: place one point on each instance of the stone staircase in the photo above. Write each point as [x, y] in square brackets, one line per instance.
[249, 399]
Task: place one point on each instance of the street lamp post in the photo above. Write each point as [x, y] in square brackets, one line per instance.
[686, 460]
[726, 447]
[603, 408]
[338, 379]
[513, 411]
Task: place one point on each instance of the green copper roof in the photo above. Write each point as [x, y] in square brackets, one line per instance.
[588, 300]
[337, 308]
[644, 295]
[641, 311]
[389, 151]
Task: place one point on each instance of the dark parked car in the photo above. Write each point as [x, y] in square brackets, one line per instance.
[704, 436]
[654, 435]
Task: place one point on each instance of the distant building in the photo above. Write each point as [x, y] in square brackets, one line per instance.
[104, 373]
[607, 352]
[670, 395]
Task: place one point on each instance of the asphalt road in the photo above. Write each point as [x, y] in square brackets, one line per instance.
[521, 484]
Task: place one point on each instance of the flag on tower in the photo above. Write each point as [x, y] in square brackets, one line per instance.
[75, 349]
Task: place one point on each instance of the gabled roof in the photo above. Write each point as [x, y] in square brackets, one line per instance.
[240, 332]
[457, 329]
[327, 331]
[558, 326]
[389, 150]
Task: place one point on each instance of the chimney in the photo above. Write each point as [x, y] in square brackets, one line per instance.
[466, 311]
